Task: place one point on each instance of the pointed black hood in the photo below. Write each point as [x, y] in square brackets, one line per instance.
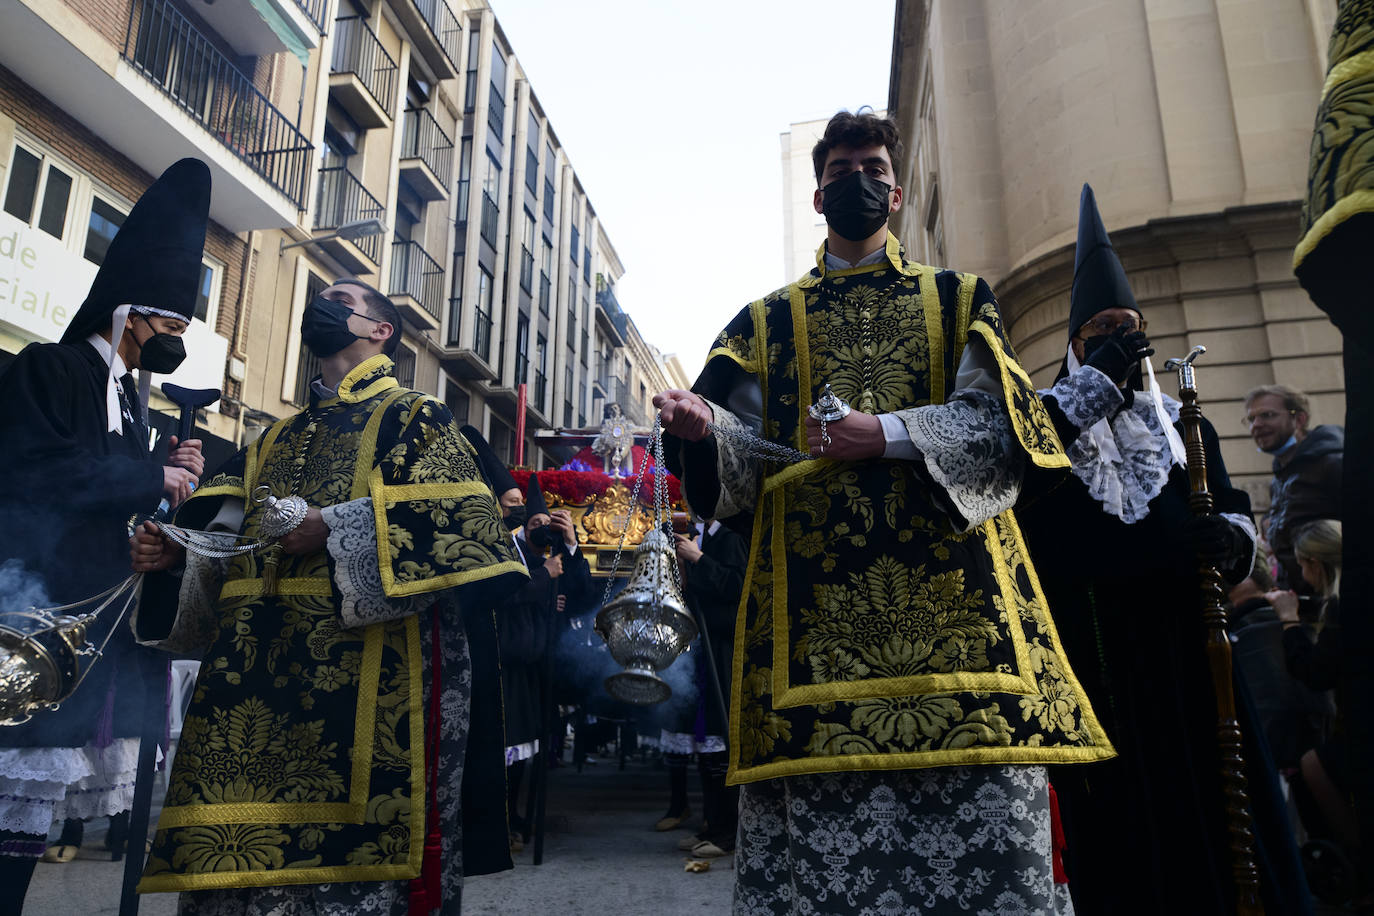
[1099, 280]
[535, 504]
[493, 469]
[155, 257]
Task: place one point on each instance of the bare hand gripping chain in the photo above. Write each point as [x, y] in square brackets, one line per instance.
[829, 408]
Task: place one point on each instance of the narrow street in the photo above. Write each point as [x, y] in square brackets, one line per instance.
[602, 856]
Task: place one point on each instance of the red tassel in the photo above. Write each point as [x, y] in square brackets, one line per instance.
[1057, 839]
[426, 895]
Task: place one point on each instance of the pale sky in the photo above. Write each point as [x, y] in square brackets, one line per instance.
[670, 114]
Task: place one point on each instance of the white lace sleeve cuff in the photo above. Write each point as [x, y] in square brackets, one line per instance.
[970, 451]
[352, 545]
[1086, 396]
[197, 616]
[737, 472]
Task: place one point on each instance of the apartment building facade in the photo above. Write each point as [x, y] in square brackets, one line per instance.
[397, 141]
[1192, 121]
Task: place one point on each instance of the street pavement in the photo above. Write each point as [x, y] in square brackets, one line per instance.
[601, 857]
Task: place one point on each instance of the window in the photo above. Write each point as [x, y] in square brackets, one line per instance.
[100, 231]
[496, 105]
[532, 155]
[307, 363]
[455, 301]
[541, 370]
[464, 179]
[548, 183]
[459, 401]
[22, 197]
[405, 366]
[491, 193]
[470, 84]
[522, 349]
[527, 254]
[575, 246]
[545, 284]
[481, 342]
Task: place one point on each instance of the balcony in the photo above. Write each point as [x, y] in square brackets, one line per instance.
[435, 31]
[609, 317]
[470, 359]
[417, 284]
[261, 28]
[426, 154]
[491, 216]
[362, 75]
[343, 199]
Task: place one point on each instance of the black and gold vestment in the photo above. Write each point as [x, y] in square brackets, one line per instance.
[303, 756]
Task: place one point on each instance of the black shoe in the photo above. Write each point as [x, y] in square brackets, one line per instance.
[117, 837]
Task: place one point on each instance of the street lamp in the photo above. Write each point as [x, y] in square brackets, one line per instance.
[350, 231]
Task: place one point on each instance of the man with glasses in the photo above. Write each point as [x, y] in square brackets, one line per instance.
[1307, 469]
[1117, 551]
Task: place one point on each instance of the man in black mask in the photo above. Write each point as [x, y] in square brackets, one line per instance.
[1118, 550]
[335, 692]
[871, 709]
[75, 464]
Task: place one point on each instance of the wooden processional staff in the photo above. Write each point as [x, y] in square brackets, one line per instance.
[1218, 646]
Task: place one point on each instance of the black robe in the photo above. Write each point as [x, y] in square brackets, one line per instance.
[68, 489]
[1145, 830]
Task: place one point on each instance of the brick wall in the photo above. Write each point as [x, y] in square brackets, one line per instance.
[41, 118]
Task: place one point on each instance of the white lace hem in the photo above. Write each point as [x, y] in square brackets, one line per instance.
[684, 743]
[41, 785]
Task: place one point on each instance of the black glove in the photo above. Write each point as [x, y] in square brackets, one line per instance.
[1213, 540]
[1117, 354]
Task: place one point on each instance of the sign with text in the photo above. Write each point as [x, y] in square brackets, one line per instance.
[42, 284]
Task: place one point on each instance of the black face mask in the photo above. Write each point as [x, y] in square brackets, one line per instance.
[543, 536]
[516, 516]
[324, 326]
[855, 206]
[161, 353]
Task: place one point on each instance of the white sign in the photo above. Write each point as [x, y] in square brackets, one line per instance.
[42, 284]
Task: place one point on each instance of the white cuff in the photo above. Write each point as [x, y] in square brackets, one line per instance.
[899, 445]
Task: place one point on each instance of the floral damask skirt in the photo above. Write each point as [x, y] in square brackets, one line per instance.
[971, 840]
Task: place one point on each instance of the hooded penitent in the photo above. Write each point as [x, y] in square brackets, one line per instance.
[535, 504]
[1099, 280]
[153, 264]
[493, 468]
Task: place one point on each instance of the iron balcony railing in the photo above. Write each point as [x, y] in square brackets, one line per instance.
[491, 215]
[415, 274]
[343, 199]
[526, 269]
[423, 139]
[481, 343]
[314, 11]
[545, 292]
[443, 24]
[164, 46]
[404, 367]
[308, 367]
[357, 50]
[496, 112]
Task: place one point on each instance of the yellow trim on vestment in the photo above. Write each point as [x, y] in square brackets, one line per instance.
[253, 588]
[419, 798]
[1352, 204]
[737, 667]
[796, 298]
[968, 285]
[306, 874]
[778, 550]
[382, 494]
[221, 490]
[367, 447]
[935, 331]
[1009, 368]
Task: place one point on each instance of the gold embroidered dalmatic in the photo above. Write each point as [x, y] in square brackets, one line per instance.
[302, 755]
[872, 634]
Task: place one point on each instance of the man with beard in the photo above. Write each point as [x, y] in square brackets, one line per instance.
[1118, 550]
[1307, 469]
[896, 677]
[321, 761]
